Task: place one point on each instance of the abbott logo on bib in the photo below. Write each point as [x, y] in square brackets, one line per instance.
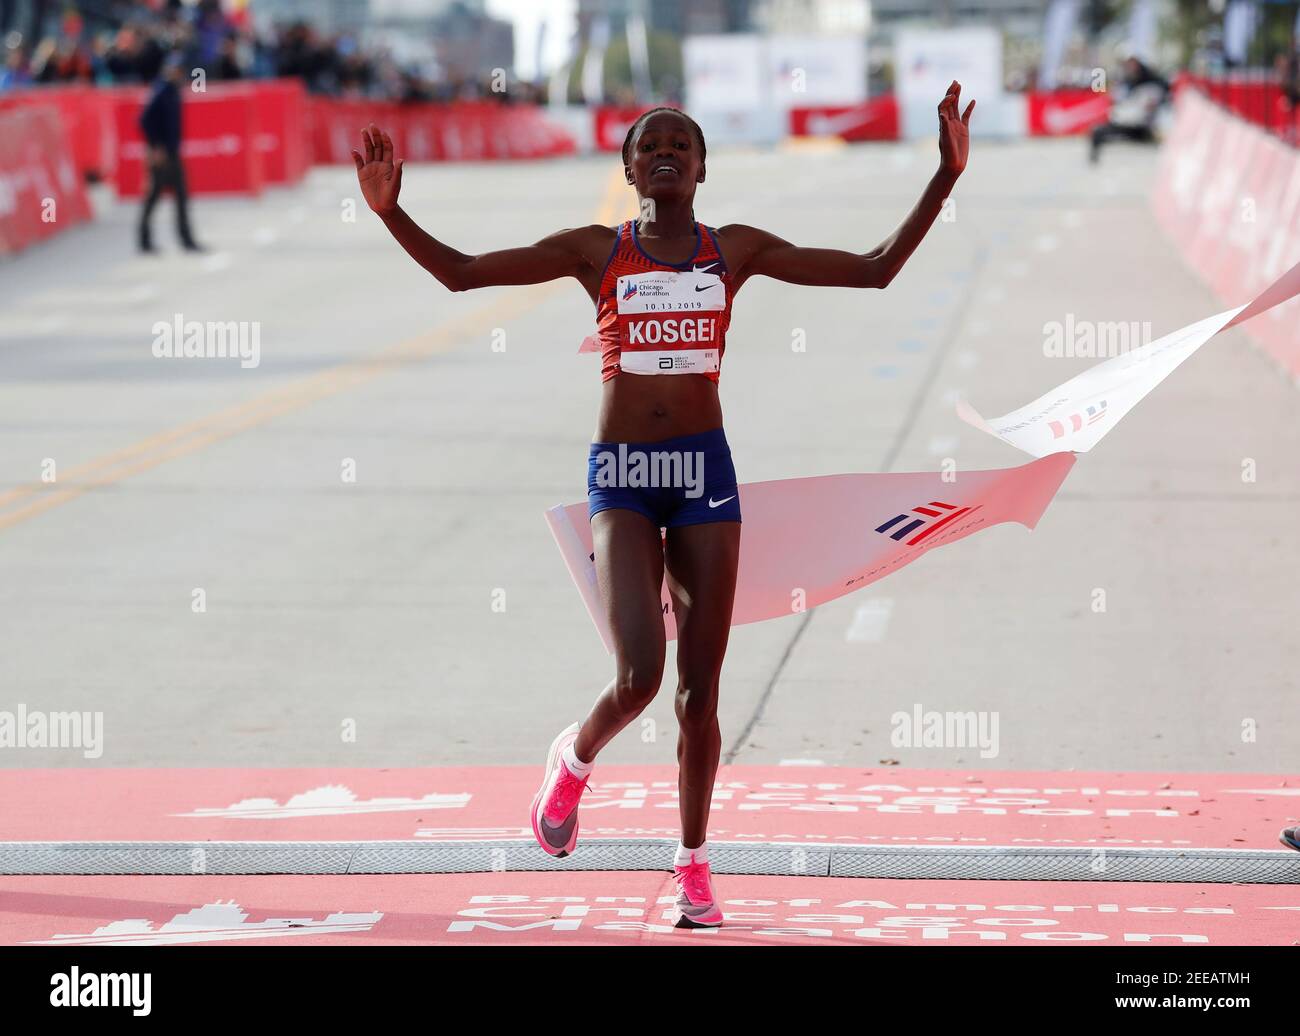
[665, 317]
[678, 361]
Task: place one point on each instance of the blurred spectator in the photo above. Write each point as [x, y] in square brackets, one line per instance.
[134, 57]
[228, 65]
[161, 124]
[1133, 115]
[61, 60]
[1288, 67]
[14, 72]
[147, 30]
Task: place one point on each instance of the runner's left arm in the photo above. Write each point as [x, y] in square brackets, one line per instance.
[765, 254]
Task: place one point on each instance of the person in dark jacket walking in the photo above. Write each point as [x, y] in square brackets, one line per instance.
[161, 123]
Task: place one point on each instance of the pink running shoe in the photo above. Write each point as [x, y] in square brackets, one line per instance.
[555, 807]
[695, 906]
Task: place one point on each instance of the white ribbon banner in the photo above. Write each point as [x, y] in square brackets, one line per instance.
[806, 541]
[1078, 414]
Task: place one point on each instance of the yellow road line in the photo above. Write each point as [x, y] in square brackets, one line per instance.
[195, 435]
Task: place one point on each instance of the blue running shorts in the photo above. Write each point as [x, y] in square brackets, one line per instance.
[688, 480]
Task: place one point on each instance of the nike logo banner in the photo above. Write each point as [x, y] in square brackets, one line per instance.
[806, 541]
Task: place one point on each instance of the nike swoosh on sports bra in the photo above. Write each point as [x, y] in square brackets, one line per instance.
[654, 317]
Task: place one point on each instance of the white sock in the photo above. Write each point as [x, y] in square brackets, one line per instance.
[683, 856]
[576, 766]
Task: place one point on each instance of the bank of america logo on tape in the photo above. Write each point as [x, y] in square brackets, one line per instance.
[1077, 421]
[945, 513]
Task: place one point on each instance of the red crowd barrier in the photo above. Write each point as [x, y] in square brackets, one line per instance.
[236, 137]
[1257, 100]
[41, 191]
[241, 136]
[425, 132]
[1228, 194]
[218, 144]
[282, 139]
[87, 115]
[876, 119]
[610, 124]
[1063, 113]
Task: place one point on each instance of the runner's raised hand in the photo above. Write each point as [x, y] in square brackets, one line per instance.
[954, 131]
[379, 177]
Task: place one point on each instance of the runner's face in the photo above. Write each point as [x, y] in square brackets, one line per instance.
[664, 161]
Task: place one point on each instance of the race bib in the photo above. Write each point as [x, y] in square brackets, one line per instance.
[669, 322]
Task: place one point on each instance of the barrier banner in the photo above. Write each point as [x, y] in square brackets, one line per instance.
[876, 119]
[99, 120]
[218, 143]
[806, 541]
[1261, 101]
[1228, 194]
[1048, 113]
[1062, 113]
[463, 131]
[281, 142]
[611, 123]
[41, 192]
[87, 115]
[336, 126]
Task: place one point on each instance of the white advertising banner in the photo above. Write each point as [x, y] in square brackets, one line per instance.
[817, 70]
[724, 73]
[926, 61]
[741, 86]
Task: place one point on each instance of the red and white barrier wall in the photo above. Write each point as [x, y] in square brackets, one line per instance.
[237, 138]
[241, 137]
[463, 131]
[41, 191]
[1256, 100]
[87, 116]
[1228, 193]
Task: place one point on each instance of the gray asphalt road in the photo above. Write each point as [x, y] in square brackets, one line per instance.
[334, 605]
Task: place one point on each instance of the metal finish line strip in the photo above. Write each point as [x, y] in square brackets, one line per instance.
[994, 863]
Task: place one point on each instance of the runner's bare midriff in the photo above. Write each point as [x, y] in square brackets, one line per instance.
[650, 407]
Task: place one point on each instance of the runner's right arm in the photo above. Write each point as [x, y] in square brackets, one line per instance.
[566, 253]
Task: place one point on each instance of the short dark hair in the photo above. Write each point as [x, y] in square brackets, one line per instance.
[632, 130]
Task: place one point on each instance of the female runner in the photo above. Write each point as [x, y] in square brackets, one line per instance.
[662, 286]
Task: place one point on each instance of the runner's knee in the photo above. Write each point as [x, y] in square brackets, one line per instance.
[637, 682]
[697, 703]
